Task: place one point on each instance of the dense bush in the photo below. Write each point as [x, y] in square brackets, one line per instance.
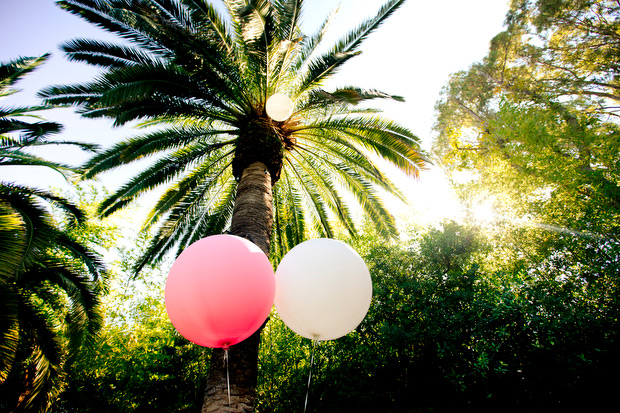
[445, 334]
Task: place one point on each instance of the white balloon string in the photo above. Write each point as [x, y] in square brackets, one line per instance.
[227, 374]
[314, 343]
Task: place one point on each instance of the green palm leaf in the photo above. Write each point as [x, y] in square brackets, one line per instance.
[104, 54]
[13, 71]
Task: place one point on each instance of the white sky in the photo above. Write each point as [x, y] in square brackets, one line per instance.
[412, 55]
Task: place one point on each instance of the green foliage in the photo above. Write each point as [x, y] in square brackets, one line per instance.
[535, 125]
[572, 45]
[139, 362]
[460, 334]
[455, 324]
[21, 128]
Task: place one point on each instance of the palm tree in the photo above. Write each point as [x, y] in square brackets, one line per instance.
[48, 281]
[204, 80]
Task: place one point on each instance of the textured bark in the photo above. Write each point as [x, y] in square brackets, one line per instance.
[252, 219]
[242, 373]
[253, 216]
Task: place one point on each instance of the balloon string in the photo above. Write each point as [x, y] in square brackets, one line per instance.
[314, 343]
[227, 374]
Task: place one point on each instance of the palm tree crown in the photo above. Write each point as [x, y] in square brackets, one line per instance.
[204, 79]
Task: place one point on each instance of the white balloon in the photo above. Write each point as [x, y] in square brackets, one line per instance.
[279, 107]
[323, 289]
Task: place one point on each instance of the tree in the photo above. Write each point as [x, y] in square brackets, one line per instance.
[49, 281]
[204, 79]
[571, 46]
[536, 119]
[454, 327]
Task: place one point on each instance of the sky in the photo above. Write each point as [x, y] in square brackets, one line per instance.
[411, 55]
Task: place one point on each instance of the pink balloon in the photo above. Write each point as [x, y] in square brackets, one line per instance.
[220, 290]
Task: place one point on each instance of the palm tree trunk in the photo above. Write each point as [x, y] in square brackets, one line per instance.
[253, 214]
[252, 219]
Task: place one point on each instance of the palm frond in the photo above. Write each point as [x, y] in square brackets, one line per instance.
[23, 198]
[105, 15]
[13, 240]
[289, 222]
[206, 18]
[329, 63]
[311, 200]
[371, 204]
[215, 215]
[207, 175]
[141, 91]
[26, 159]
[323, 67]
[9, 327]
[14, 70]
[314, 168]
[284, 42]
[163, 171]
[84, 317]
[37, 230]
[353, 40]
[28, 130]
[79, 253]
[288, 14]
[104, 54]
[349, 95]
[47, 351]
[380, 136]
[310, 44]
[204, 210]
[138, 147]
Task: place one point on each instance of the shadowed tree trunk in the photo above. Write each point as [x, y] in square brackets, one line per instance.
[252, 219]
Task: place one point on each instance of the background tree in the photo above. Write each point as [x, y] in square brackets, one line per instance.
[568, 49]
[49, 281]
[536, 119]
[204, 79]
